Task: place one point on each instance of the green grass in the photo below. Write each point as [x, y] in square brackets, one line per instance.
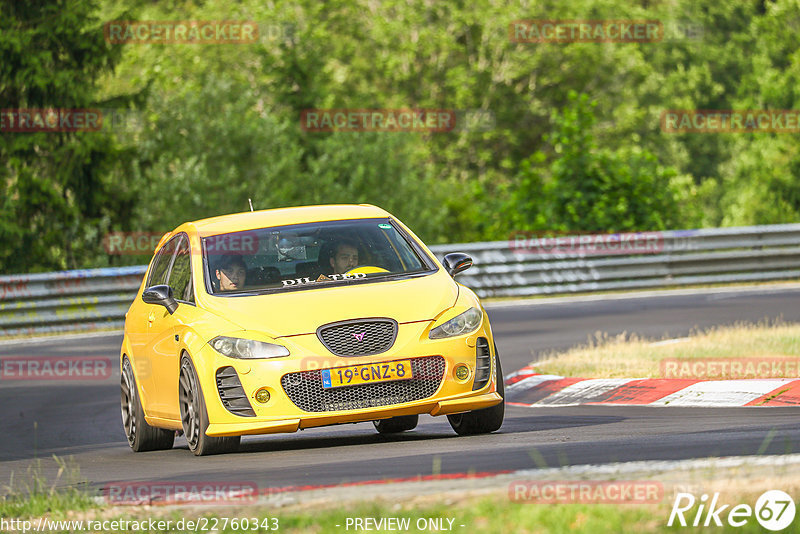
[493, 513]
[498, 515]
[489, 515]
[627, 356]
[30, 494]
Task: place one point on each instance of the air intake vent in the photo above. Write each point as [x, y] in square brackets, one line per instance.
[232, 394]
[483, 363]
[305, 390]
[362, 337]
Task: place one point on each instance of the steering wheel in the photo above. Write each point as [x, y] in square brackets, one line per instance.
[366, 269]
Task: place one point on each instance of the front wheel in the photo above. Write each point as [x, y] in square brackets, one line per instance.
[141, 436]
[194, 416]
[486, 419]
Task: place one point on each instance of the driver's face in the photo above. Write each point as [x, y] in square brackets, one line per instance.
[232, 278]
[346, 258]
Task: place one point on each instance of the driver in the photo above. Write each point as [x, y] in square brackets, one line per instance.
[231, 273]
[344, 257]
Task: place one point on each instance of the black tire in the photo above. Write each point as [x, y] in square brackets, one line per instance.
[194, 416]
[484, 420]
[141, 436]
[394, 425]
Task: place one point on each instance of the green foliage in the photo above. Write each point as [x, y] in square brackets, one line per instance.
[55, 188]
[589, 189]
[761, 182]
[575, 142]
[32, 494]
[263, 156]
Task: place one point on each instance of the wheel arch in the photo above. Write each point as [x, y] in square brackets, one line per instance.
[204, 371]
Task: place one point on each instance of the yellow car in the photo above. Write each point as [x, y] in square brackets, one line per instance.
[279, 320]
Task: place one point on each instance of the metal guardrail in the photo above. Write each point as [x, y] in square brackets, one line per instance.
[529, 265]
[85, 299]
[681, 257]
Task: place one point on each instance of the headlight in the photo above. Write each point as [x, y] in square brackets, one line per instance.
[463, 323]
[247, 349]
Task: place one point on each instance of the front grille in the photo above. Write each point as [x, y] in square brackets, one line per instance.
[232, 394]
[362, 337]
[304, 388]
[483, 364]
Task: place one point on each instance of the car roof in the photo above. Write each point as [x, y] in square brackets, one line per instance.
[250, 220]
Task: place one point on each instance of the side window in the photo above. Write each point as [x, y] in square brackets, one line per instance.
[180, 277]
[159, 272]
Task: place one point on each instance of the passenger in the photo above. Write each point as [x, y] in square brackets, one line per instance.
[232, 273]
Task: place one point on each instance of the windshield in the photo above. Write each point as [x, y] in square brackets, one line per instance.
[310, 255]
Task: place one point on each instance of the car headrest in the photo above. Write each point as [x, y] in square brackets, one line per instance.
[309, 269]
[263, 275]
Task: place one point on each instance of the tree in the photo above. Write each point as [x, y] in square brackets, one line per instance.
[55, 188]
[588, 189]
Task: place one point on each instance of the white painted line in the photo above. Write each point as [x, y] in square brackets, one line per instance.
[525, 371]
[583, 391]
[62, 337]
[661, 465]
[532, 381]
[721, 393]
[743, 289]
[669, 341]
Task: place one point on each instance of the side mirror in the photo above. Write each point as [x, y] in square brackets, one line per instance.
[455, 262]
[162, 295]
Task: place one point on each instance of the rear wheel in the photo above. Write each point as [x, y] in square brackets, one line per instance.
[141, 436]
[486, 419]
[394, 425]
[194, 416]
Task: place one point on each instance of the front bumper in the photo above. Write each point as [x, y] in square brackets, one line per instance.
[474, 402]
[280, 414]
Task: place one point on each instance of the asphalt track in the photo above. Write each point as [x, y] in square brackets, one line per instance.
[82, 419]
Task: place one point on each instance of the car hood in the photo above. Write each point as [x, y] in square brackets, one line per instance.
[303, 311]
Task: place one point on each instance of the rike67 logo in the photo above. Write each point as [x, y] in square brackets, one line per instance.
[774, 510]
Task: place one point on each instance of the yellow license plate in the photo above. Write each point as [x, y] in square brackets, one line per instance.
[367, 374]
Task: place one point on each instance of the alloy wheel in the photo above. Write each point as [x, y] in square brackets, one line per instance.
[128, 402]
[190, 405]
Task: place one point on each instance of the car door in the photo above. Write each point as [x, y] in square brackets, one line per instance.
[164, 352]
[141, 325]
